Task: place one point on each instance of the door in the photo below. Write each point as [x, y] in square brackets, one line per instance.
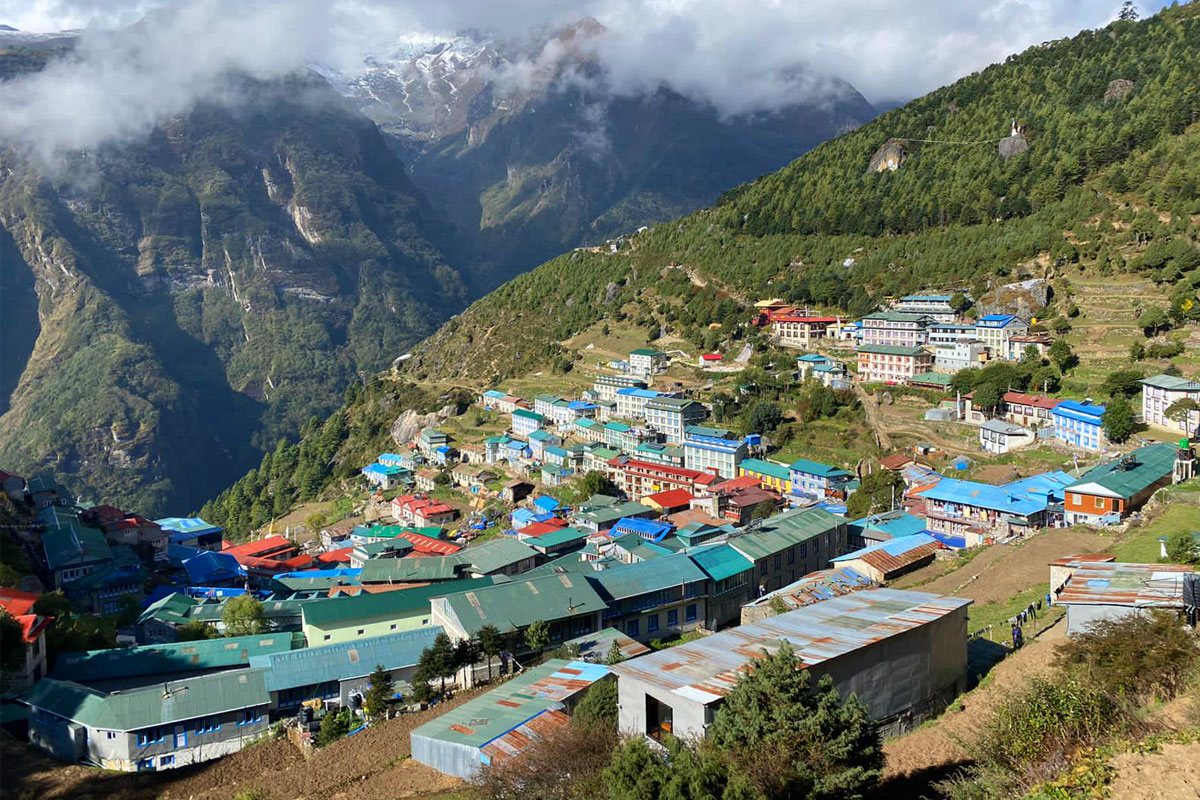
[180, 736]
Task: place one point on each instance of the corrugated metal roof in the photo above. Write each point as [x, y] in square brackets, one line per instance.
[595, 646]
[1120, 584]
[345, 610]
[409, 570]
[785, 530]
[720, 561]
[516, 604]
[760, 467]
[1131, 474]
[706, 669]
[313, 665]
[895, 554]
[129, 710]
[119, 662]
[497, 554]
[481, 721]
[817, 586]
[630, 580]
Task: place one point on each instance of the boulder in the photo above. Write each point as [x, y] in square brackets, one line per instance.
[1117, 90]
[1022, 299]
[1013, 145]
[888, 157]
[410, 423]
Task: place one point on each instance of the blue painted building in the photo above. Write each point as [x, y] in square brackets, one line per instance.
[1079, 424]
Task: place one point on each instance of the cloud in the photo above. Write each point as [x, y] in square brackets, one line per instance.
[741, 55]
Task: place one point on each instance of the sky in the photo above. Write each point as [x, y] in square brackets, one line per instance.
[133, 70]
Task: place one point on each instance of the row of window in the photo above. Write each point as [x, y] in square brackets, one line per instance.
[633, 626]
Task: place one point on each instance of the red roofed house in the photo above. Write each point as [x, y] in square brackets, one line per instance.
[791, 330]
[710, 358]
[739, 506]
[1030, 410]
[536, 529]
[896, 461]
[733, 485]
[421, 510]
[670, 501]
[339, 556]
[19, 605]
[427, 545]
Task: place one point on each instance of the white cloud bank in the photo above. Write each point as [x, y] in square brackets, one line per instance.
[737, 54]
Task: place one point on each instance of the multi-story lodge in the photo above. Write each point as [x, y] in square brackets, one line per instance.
[713, 450]
[1159, 393]
[670, 416]
[605, 386]
[995, 331]
[637, 478]
[938, 306]
[973, 513]
[896, 329]
[796, 330]
[881, 363]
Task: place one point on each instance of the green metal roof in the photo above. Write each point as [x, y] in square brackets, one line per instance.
[670, 403]
[119, 662]
[896, 316]
[345, 660]
[769, 468]
[646, 351]
[704, 430]
[785, 530]
[606, 514]
[130, 710]
[1171, 383]
[630, 580]
[75, 544]
[496, 554]
[936, 378]
[817, 468]
[559, 537]
[535, 691]
[513, 605]
[720, 561]
[1133, 473]
[175, 608]
[586, 422]
[520, 412]
[541, 436]
[341, 611]
[890, 350]
[411, 570]
[619, 427]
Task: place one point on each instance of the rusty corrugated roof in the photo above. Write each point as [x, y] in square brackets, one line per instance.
[1134, 585]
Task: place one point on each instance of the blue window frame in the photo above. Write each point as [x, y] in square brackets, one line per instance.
[208, 724]
[249, 716]
[166, 761]
[652, 623]
[689, 613]
[150, 736]
[672, 617]
[632, 628]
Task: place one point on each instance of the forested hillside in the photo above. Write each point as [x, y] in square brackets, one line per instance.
[1111, 183]
[1106, 185]
[205, 293]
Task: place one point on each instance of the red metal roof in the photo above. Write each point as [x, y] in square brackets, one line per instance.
[17, 602]
[261, 548]
[672, 498]
[814, 320]
[338, 556]
[1037, 401]
[426, 544]
[733, 484]
[542, 528]
[895, 461]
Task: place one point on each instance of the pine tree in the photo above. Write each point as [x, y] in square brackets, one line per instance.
[491, 644]
[537, 636]
[379, 693]
[615, 654]
[1118, 419]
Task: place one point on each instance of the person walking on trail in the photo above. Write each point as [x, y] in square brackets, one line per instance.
[1018, 637]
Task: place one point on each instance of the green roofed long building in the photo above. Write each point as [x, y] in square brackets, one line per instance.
[1107, 494]
[368, 614]
[157, 727]
[791, 544]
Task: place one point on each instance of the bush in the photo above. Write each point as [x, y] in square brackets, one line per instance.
[566, 763]
[1143, 657]
[598, 708]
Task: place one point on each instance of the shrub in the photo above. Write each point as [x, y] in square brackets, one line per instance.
[1144, 657]
[566, 763]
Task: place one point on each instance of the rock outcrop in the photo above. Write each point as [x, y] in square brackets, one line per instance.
[888, 157]
[1117, 90]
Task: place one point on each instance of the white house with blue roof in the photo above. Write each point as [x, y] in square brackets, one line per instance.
[816, 481]
[980, 512]
[994, 330]
[825, 369]
[1079, 425]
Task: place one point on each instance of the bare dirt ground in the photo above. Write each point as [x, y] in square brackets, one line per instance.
[1175, 773]
[1002, 571]
[372, 765]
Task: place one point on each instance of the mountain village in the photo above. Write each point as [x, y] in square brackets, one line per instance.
[617, 535]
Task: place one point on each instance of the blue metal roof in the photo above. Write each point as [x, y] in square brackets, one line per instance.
[1028, 496]
[648, 529]
[211, 567]
[996, 320]
[895, 526]
[633, 391]
[546, 503]
[337, 572]
[313, 665]
[1083, 412]
[956, 542]
[192, 525]
[893, 547]
[580, 405]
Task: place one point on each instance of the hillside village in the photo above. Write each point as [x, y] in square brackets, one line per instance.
[618, 529]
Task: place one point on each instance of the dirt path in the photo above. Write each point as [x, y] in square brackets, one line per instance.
[1001, 571]
[882, 439]
[1173, 773]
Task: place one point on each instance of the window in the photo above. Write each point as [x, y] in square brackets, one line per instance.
[149, 736]
[110, 734]
[249, 716]
[360, 631]
[1099, 501]
[393, 626]
[652, 623]
[804, 550]
[689, 613]
[673, 618]
[778, 560]
[208, 724]
[792, 555]
[762, 568]
[632, 627]
[166, 761]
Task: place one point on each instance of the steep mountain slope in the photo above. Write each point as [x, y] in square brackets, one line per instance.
[530, 151]
[206, 292]
[1135, 210]
[810, 232]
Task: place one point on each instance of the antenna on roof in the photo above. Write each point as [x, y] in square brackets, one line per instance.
[168, 692]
